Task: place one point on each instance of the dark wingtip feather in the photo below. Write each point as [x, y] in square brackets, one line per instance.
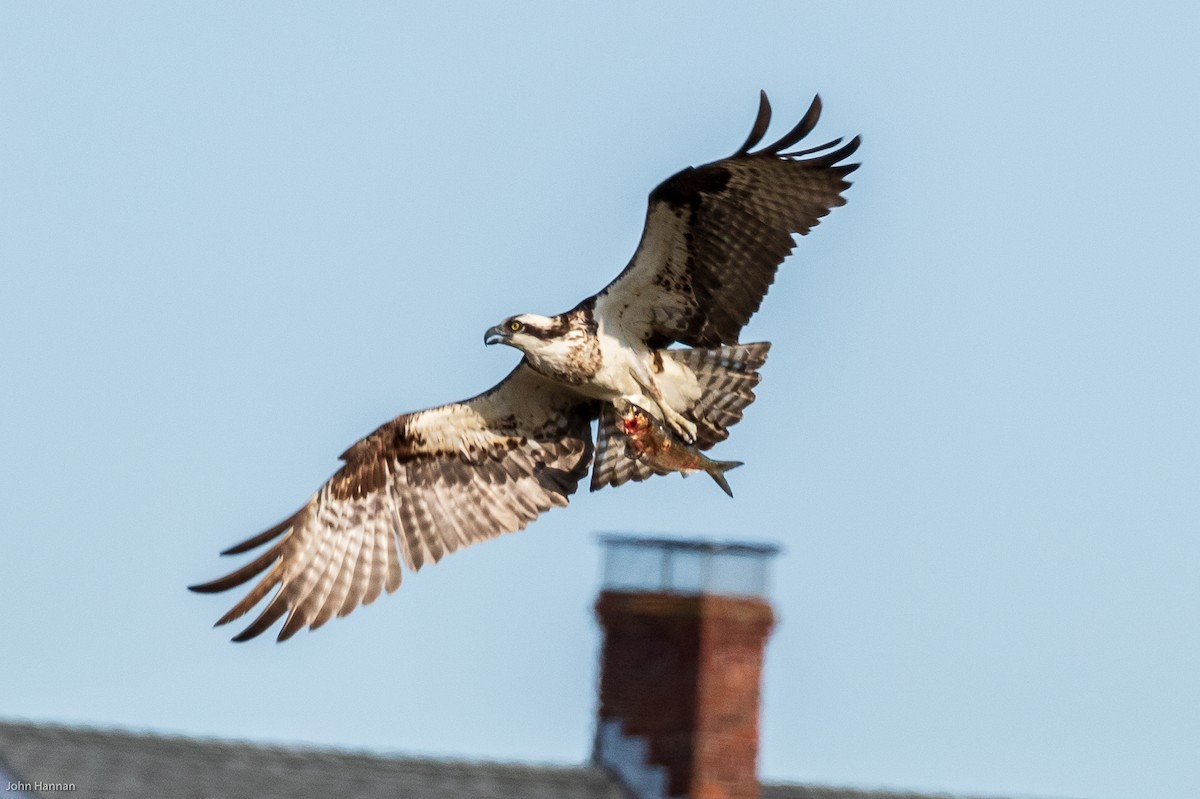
[235, 578]
[271, 613]
[802, 129]
[810, 150]
[261, 538]
[251, 599]
[761, 122]
[832, 159]
[295, 622]
[220, 584]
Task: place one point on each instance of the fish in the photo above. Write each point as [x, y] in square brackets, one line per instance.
[648, 439]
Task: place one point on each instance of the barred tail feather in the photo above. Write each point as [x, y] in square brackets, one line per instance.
[727, 378]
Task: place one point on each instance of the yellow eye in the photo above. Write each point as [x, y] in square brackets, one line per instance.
[515, 326]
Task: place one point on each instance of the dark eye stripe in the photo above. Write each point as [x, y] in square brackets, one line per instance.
[559, 327]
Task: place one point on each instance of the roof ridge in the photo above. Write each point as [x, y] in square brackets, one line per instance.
[277, 747]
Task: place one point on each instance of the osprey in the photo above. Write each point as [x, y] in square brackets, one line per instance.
[429, 482]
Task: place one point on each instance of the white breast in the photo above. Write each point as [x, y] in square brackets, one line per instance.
[624, 362]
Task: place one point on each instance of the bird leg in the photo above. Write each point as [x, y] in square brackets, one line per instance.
[686, 430]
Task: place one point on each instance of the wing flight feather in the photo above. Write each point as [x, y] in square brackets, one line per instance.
[716, 234]
[420, 487]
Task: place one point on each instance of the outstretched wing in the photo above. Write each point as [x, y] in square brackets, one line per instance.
[715, 235]
[419, 487]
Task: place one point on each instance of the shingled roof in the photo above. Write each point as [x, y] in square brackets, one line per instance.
[112, 764]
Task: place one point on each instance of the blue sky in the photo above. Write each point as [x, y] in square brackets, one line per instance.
[236, 237]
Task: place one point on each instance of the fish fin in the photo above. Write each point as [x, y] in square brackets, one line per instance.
[718, 468]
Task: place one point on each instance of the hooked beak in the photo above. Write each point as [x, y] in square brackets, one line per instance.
[494, 335]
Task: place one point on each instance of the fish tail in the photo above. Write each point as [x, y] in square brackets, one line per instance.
[717, 469]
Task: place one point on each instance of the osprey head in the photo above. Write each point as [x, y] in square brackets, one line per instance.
[525, 332]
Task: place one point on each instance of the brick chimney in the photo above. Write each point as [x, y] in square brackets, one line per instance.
[685, 625]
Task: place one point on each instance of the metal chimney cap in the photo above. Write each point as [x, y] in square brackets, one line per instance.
[686, 566]
[760, 548]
